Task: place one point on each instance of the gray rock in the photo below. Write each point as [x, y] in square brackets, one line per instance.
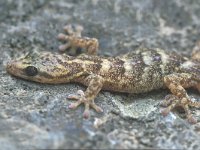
[34, 115]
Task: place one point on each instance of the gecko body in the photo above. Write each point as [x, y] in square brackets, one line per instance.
[138, 71]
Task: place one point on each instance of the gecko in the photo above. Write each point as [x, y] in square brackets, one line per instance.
[138, 71]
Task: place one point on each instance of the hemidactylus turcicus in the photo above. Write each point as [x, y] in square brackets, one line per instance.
[138, 71]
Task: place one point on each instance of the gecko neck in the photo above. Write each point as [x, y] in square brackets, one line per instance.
[86, 65]
[90, 64]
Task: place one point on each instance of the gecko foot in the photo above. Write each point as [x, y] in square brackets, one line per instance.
[81, 98]
[72, 32]
[74, 43]
[168, 100]
[172, 101]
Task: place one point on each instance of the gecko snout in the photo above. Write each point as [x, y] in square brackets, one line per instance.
[11, 67]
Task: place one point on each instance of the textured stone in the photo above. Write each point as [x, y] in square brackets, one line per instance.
[36, 115]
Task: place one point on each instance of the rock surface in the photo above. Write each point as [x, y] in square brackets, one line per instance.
[34, 115]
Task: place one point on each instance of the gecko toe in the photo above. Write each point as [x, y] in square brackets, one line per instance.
[172, 101]
[86, 114]
[165, 111]
[81, 93]
[61, 36]
[189, 115]
[168, 100]
[80, 97]
[73, 97]
[75, 105]
[73, 30]
[171, 105]
[96, 108]
[64, 47]
[191, 120]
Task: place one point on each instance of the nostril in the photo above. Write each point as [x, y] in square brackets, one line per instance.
[9, 65]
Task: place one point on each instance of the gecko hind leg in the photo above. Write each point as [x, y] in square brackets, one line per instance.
[168, 100]
[75, 42]
[176, 84]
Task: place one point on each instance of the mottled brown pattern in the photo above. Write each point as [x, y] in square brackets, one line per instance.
[139, 71]
[116, 70]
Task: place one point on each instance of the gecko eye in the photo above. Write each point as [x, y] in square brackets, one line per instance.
[31, 71]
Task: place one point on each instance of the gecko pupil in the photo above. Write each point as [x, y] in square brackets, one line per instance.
[31, 71]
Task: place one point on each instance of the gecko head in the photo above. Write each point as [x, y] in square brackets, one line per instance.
[43, 67]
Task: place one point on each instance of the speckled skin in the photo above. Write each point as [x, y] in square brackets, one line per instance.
[139, 71]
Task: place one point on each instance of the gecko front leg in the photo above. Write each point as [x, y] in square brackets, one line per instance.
[176, 83]
[74, 40]
[87, 98]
